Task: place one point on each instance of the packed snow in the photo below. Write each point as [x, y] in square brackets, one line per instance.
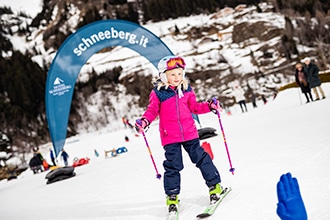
[285, 135]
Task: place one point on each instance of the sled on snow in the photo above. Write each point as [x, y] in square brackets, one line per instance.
[207, 132]
[59, 174]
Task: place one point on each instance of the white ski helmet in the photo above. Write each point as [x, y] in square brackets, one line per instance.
[169, 63]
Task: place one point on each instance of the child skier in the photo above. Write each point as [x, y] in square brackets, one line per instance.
[174, 101]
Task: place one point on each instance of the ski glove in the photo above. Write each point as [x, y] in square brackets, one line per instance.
[141, 124]
[214, 105]
[290, 205]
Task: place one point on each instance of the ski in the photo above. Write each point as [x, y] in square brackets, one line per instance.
[173, 214]
[212, 207]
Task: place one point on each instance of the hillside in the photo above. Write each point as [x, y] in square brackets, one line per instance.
[255, 46]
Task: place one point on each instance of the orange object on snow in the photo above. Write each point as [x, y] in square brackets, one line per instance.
[207, 148]
[45, 164]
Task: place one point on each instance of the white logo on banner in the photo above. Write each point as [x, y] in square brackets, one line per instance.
[59, 87]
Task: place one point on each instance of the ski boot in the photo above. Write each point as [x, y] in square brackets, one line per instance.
[172, 202]
[215, 191]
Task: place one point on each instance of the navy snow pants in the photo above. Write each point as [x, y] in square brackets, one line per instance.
[173, 165]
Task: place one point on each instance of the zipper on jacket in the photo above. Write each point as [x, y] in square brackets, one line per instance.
[178, 112]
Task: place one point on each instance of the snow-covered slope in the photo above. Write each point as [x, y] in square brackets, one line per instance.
[281, 136]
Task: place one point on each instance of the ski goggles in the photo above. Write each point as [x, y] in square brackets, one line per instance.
[175, 62]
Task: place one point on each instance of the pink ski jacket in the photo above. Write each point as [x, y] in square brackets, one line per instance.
[176, 123]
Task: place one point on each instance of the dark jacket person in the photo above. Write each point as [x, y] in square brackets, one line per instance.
[312, 73]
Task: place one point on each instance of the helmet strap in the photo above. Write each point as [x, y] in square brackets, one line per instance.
[163, 77]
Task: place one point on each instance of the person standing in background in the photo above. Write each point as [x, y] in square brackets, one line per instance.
[52, 157]
[239, 97]
[254, 100]
[302, 82]
[264, 99]
[312, 73]
[65, 157]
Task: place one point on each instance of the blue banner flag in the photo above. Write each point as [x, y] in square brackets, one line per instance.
[74, 53]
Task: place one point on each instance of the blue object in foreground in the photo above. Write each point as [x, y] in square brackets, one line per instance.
[290, 204]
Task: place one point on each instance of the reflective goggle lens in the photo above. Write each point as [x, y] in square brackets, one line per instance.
[175, 63]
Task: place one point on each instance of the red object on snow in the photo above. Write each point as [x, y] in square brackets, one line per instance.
[81, 161]
[207, 148]
[45, 164]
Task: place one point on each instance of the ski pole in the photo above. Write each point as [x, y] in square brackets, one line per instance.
[158, 176]
[224, 138]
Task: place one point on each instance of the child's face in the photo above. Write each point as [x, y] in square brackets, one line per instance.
[175, 76]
